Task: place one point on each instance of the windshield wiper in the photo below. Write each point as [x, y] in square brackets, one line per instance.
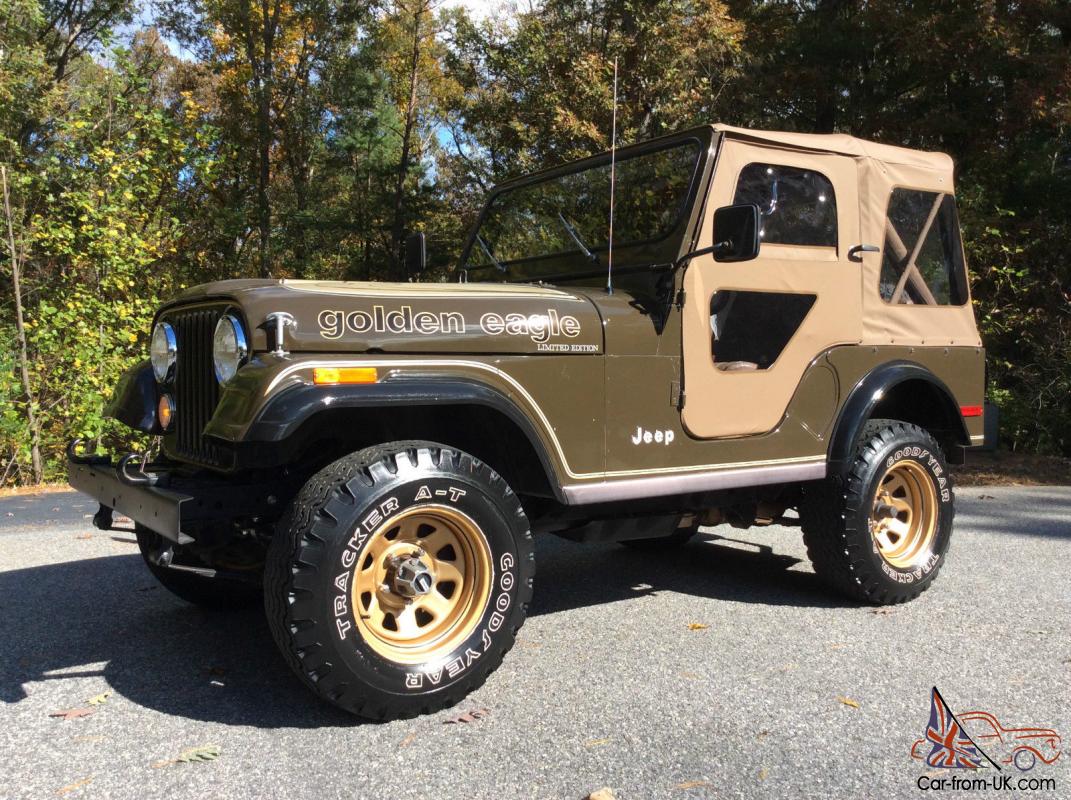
[576, 237]
[487, 252]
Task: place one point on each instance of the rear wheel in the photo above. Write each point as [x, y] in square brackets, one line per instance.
[880, 531]
[398, 579]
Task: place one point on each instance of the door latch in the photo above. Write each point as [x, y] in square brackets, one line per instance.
[853, 253]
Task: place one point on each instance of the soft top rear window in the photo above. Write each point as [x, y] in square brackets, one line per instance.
[922, 263]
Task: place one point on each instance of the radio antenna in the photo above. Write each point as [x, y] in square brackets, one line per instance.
[613, 183]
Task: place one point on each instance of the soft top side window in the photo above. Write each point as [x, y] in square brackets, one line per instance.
[797, 206]
[923, 259]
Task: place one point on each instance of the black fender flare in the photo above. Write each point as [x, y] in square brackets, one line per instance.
[133, 401]
[283, 414]
[870, 390]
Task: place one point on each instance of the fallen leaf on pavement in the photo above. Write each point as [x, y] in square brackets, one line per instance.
[697, 626]
[70, 787]
[467, 716]
[884, 611]
[596, 742]
[92, 738]
[762, 734]
[690, 676]
[763, 773]
[986, 497]
[604, 793]
[691, 784]
[206, 752]
[848, 701]
[72, 713]
[408, 740]
[100, 699]
[84, 536]
[838, 645]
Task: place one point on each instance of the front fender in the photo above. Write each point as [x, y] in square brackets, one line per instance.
[261, 409]
[134, 400]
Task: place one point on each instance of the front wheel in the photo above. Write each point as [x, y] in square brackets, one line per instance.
[399, 578]
[880, 531]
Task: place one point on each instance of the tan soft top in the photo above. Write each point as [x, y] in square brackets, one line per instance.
[845, 145]
[880, 168]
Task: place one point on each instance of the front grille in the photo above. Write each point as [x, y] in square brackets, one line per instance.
[195, 387]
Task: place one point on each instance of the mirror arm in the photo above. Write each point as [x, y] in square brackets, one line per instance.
[701, 252]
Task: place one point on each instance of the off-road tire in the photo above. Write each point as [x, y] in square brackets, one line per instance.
[215, 594]
[836, 516]
[318, 548]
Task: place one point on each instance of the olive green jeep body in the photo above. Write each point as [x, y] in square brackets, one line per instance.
[776, 304]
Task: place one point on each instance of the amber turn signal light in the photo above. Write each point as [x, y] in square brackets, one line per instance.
[165, 411]
[330, 376]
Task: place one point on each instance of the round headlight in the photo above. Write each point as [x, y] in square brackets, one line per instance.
[229, 348]
[162, 351]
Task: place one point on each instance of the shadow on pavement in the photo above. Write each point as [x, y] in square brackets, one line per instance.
[714, 566]
[108, 616]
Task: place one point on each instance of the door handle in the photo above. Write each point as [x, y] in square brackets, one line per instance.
[853, 253]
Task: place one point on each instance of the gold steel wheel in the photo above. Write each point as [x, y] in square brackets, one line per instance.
[423, 583]
[903, 520]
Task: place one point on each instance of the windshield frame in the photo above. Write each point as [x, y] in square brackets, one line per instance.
[662, 248]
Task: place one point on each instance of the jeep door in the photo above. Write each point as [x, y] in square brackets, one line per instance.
[751, 328]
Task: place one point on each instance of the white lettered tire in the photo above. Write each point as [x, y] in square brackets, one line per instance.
[397, 581]
[880, 531]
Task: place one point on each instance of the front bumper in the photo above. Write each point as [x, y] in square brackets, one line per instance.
[156, 508]
[177, 506]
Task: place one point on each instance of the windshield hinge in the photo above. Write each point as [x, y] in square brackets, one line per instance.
[680, 298]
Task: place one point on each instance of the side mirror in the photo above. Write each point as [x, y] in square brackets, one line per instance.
[736, 233]
[416, 253]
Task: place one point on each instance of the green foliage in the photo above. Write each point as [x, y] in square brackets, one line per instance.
[91, 216]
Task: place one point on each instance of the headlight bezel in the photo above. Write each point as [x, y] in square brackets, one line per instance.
[164, 372]
[226, 371]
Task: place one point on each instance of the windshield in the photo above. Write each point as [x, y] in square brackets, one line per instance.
[561, 224]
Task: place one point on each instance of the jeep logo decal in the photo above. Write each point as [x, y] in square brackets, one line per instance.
[642, 436]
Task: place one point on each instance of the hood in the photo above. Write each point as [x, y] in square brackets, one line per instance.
[350, 317]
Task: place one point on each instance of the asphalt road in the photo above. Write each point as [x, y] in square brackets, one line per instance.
[607, 686]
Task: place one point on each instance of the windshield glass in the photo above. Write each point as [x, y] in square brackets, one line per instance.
[561, 224]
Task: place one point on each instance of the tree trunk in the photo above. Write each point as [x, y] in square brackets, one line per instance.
[263, 179]
[262, 72]
[20, 335]
[827, 36]
[398, 231]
